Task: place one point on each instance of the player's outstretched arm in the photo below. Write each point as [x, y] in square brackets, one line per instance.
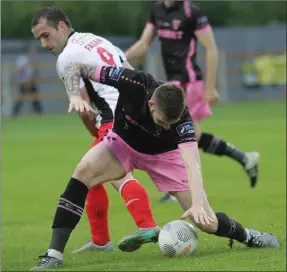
[204, 34]
[128, 82]
[190, 156]
[88, 118]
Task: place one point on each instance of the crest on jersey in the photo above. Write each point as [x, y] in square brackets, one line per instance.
[175, 24]
[115, 73]
[185, 128]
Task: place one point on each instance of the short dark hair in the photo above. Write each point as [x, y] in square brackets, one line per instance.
[53, 16]
[170, 100]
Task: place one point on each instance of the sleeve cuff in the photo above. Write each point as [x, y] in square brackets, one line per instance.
[204, 29]
[98, 73]
[187, 144]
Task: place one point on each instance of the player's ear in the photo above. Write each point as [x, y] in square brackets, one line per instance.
[61, 26]
[151, 104]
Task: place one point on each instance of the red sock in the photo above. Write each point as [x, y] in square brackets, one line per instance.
[137, 203]
[97, 205]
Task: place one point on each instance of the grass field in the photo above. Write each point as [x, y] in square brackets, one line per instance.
[38, 158]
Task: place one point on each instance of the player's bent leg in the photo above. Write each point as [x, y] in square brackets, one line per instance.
[224, 226]
[216, 146]
[211, 144]
[97, 166]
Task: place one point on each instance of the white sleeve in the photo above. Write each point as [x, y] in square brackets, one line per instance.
[121, 54]
[64, 60]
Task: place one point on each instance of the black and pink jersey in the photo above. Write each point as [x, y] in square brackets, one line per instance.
[133, 121]
[176, 28]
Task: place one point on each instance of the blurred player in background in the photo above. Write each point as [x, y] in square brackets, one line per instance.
[179, 24]
[27, 87]
[53, 28]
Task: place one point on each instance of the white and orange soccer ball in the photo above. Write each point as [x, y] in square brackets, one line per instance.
[177, 238]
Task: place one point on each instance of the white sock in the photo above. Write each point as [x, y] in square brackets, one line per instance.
[248, 236]
[55, 253]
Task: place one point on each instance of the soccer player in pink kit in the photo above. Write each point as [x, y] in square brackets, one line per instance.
[152, 131]
[179, 25]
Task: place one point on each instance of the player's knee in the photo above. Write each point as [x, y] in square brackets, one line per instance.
[84, 172]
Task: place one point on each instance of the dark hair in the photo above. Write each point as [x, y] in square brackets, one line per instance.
[53, 16]
[170, 100]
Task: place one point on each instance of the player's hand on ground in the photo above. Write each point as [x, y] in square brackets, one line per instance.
[198, 215]
[211, 96]
[79, 105]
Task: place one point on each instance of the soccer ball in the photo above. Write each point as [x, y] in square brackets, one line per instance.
[177, 238]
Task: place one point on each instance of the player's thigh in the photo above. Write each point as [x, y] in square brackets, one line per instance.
[98, 165]
[167, 170]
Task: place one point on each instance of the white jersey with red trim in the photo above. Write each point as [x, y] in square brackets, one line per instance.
[87, 48]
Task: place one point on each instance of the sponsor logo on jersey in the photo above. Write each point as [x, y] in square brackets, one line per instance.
[115, 73]
[176, 24]
[185, 128]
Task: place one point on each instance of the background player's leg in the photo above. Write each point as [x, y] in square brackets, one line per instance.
[97, 166]
[224, 226]
[211, 144]
[19, 102]
[36, 103]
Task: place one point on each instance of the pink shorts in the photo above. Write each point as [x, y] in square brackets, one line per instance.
[198, 108]
[167, 170]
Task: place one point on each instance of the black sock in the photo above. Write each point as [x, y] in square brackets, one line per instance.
[68, 214]
[37, 106]
[229, 228]
[213, 145]
[17, 107]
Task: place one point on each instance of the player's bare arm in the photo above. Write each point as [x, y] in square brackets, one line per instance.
[140, 48]
[206, 38]
[190, 156]
[72, 84]
[88, 118]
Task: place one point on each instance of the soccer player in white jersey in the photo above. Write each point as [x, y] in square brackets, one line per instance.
[68, 44]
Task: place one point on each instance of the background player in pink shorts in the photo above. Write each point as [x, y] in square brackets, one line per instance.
[179, 25]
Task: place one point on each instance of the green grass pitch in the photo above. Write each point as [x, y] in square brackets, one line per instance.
[38, 158]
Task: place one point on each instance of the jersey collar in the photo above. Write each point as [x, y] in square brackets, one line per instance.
[71, 34]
